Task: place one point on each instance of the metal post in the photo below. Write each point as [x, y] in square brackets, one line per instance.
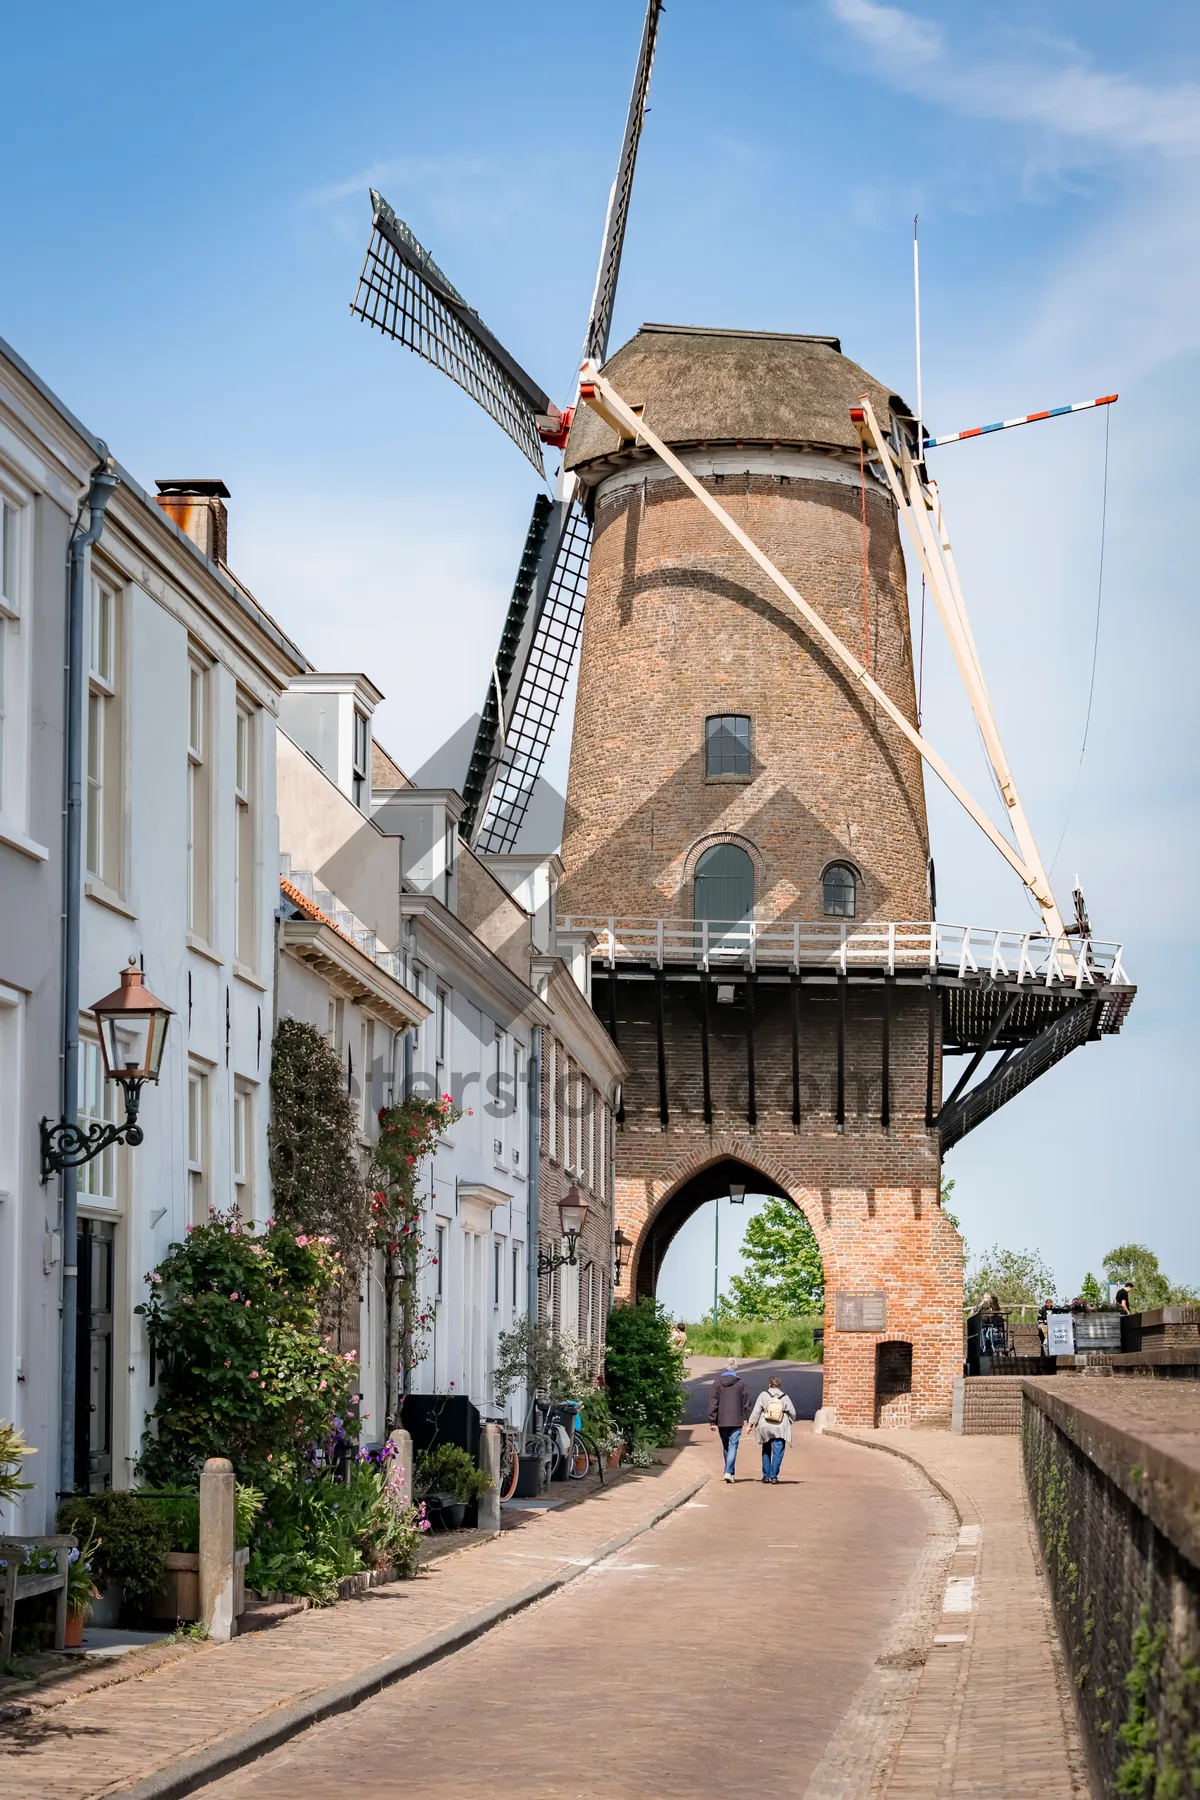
[660, 985]
[841, 1051]
[885, 1114]
[104, 480]
[705, 988]
[795, 984]
[752, 1098]
[716, 1256]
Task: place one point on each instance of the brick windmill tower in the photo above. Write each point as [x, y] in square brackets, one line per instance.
[746, 855]
[748, 898]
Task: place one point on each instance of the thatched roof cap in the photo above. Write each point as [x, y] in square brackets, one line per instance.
[756, 387]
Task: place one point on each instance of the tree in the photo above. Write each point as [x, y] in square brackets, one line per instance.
[317, 1182]
[1137, 1266]
[1091, 1293]
[784, 1276]
[1016, 1277]
[643, 1373]
[944, 1193]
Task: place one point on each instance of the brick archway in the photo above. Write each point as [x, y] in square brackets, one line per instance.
[655, 1217]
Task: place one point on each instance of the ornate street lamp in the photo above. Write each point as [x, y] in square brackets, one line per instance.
[621, 1246]
[571, 1211]
[737, 1193]
[133, 1030]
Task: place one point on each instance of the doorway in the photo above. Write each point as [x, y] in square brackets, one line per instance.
[94, 1358]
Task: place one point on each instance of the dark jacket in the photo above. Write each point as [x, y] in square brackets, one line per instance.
[729, 1401]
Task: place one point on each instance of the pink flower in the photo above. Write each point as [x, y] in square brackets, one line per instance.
[301, 1241]
[233, 1296]
[227, 1362]
[254, 1374]
[270, 1457]
[322, 1387]
[352, 1356]
[262, 1384]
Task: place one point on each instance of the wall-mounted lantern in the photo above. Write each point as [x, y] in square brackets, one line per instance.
[133, 1030]
[621, 1248]
[572, 1212]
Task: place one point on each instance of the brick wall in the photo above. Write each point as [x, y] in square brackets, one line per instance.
[1113, 1473]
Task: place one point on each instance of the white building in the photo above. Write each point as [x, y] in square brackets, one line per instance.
[184, 672]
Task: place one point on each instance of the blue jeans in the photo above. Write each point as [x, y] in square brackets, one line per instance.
[730, 1438]
[772, 1455]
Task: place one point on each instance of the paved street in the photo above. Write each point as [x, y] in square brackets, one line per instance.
[715, 1656]
[802, 1381]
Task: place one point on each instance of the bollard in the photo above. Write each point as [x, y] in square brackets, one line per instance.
[401, 1466]
[824, 1417]
[488, 1507]
[218, 1537]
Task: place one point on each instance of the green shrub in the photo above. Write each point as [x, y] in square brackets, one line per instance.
[182, 1512]
[243, 1369]
[130, 1540]
[13, 1451]
[643, 1373]
[451, 1470]
[311, 1536]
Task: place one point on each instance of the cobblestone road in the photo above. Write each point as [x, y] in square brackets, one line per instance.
[714, 1657]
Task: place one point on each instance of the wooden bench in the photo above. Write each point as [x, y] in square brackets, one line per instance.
[15, 1551]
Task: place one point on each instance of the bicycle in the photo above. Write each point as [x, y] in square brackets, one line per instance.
[510, 1456]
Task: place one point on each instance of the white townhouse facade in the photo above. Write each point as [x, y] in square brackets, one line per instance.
[406, 952]
[181, 685]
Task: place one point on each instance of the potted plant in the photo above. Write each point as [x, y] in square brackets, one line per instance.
[131, 1543]
[448, 1479]
[81, 1591]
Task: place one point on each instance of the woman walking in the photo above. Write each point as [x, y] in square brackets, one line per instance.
[772, 1418]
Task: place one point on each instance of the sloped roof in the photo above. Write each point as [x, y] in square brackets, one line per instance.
[707, 386]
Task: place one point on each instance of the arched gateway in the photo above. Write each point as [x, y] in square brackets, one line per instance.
[718, 751]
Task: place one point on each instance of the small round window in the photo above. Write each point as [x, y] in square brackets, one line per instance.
[840, 883]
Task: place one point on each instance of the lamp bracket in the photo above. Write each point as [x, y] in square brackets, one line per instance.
[69, 1146]
[549, 1260]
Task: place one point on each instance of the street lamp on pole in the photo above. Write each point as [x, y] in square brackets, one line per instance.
[737, 1197]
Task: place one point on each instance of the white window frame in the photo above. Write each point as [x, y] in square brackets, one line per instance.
[497, 1274]
[244, 952]
[499, 1071]
[360, 763]
[517, 1260]
[199, 799]
[96, 1105]
[441, 1036]
[102, 759]
[16, 535]
[242, 1147]
[517, 1149]
[197, 1143]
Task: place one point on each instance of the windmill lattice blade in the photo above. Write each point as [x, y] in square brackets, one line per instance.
[403, 292]
[542, 684]
[595, 343]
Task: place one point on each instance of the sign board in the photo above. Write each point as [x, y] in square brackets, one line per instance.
[1060, 1334]
[860, 1312]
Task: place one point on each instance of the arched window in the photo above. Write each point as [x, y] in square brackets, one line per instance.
[724, 884]
[727, 745]
[840, 883]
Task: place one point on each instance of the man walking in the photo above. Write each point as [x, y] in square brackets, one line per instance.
[728, 1410]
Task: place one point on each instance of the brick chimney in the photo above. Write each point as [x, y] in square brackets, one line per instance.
[198, 508]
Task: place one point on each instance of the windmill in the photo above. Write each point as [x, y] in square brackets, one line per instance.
[404, 293]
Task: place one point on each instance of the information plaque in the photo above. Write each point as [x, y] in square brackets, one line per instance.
[860, 1312]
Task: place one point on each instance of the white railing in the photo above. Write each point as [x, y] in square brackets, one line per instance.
[965, 950]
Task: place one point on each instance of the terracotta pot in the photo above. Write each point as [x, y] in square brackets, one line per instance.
[73, 1639]
[613, 1459]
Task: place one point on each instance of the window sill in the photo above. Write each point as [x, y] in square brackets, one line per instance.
[203, 948]
[242, 973]
[104, 896]
[17, 840]
[728, 780]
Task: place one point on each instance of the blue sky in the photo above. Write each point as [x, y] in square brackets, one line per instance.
[184, 219]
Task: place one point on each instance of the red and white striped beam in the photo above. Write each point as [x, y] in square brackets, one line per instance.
[1053, 412]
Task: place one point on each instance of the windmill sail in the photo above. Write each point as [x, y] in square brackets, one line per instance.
[403, 292]
[533, 691]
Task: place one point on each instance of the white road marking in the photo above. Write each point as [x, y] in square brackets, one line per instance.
[951, 1637]
[968, 1537]
[960, 1594]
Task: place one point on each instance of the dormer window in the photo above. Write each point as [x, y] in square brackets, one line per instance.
[727, 745]
[361, 778]
[840, 888]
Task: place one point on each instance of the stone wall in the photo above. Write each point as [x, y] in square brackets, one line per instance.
[1113, 1472]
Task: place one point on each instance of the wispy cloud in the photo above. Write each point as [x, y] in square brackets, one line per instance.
[1026, 79]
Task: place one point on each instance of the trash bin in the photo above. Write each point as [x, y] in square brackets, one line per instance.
[531, 1477]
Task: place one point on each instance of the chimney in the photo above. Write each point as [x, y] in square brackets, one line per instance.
[198, 508]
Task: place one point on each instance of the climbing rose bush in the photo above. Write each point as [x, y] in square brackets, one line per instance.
[242, 1368]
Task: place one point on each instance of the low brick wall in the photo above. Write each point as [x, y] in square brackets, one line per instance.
[1113, 1473]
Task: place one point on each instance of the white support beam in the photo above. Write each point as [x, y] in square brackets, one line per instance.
[920, 507]
[603, 398]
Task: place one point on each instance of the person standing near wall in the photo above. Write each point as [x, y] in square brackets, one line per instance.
[772, 1417]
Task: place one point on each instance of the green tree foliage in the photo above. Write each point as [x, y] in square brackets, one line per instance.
[243, 1369]
[643, 1373]
[944, 1194]
[130, 1540]
[543, 1361]
[1137, 1265]
[1016, 1277]
[784, 1277]
[317, 1183]
[1091, 1293]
